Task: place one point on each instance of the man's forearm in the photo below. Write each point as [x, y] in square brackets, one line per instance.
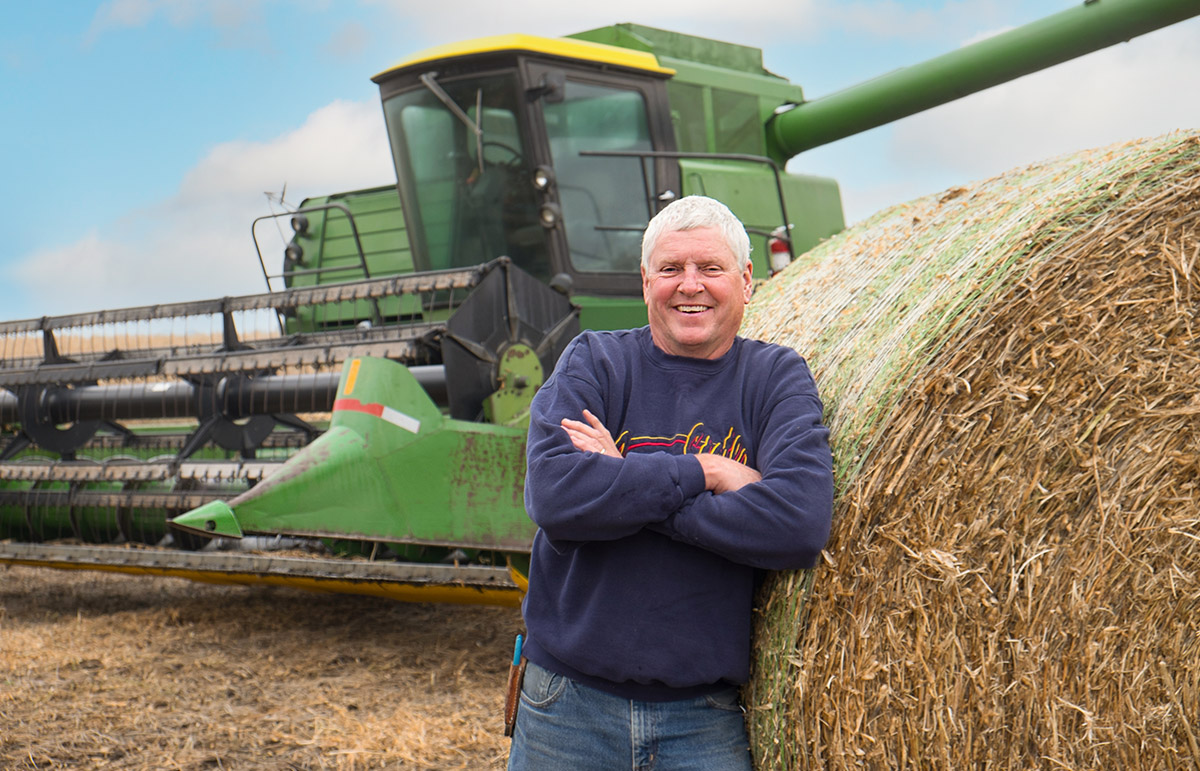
[780, 520]
[724, 475]
[767, 525]
[578, 496]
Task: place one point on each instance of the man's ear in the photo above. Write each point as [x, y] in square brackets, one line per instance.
[645, 286]
[748, 277]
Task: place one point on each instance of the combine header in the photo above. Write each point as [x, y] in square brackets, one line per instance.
[364, 419]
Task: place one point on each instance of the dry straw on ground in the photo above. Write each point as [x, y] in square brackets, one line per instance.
[134, 673]
[1011, 374]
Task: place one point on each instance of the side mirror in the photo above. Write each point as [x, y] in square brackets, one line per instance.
[551, 88]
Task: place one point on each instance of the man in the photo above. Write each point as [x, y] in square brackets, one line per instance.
[668, 467]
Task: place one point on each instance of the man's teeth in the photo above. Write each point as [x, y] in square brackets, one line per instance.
[691, 308]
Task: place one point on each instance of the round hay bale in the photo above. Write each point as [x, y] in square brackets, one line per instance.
[1010, 373]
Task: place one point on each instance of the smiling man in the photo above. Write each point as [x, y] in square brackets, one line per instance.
[668, 468]
[695, 289]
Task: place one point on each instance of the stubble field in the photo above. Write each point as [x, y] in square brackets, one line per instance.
[105, 671]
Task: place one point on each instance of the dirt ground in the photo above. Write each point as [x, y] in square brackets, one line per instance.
[105, 671]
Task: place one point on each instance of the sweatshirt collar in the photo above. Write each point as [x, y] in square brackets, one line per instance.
[661, 358]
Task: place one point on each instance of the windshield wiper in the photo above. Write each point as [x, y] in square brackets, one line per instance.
[429, 80]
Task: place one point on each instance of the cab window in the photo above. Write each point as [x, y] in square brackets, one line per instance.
[603, 199]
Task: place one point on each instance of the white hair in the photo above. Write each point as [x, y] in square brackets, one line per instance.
[697, 211]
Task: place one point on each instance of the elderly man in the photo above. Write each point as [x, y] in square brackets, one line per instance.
[668, 467]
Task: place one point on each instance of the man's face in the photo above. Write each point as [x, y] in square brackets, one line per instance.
[694, 293]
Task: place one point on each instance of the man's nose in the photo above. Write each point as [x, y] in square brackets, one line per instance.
[690, 282]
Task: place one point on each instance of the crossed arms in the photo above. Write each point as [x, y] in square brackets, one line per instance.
[721, 474]
[579, 488]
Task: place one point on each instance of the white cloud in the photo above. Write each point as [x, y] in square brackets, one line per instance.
[339, 142]
[236, 20]
[197, 244]
[895, 20]
[752, 22]
[121, 14]
[348, 40]
[441, 23]
[1128, 91]
[1125, 92]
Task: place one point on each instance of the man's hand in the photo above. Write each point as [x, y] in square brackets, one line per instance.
[591, 436]
[723, 475]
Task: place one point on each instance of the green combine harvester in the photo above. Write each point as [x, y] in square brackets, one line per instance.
[360, 426]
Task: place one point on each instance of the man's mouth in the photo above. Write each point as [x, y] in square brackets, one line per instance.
[691, 308]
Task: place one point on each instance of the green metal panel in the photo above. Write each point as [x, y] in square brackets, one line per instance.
[773, 88]
[814, 206]
[815, 209]
[721, 95]
[688, 117]
[675, 45]
[329, 242]
[330, 246]
[610, 312]
[519, 375]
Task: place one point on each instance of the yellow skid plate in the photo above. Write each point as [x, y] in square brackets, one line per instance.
[409, 582]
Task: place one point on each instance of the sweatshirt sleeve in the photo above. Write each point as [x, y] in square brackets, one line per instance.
[576, 496]
[783, 521]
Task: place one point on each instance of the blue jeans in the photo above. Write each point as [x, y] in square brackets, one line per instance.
[562, 724]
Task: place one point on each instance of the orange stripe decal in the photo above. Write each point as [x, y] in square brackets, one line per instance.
[352, 376]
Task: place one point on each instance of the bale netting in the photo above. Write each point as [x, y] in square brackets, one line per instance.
[1011, 375]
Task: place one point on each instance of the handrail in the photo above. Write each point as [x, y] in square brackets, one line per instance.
[353, 229]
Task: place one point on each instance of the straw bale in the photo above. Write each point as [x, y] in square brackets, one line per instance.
[1010, 375]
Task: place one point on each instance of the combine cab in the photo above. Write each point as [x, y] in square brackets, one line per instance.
[360, 426]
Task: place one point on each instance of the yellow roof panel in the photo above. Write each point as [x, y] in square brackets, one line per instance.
[564, 47]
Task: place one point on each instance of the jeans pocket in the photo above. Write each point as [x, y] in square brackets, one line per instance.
[727, 700]
[541, 686]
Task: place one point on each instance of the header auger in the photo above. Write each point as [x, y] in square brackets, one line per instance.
[368, 411]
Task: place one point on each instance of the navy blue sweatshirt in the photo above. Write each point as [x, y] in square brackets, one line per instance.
[641, 582]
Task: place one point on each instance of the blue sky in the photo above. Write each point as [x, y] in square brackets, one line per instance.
[141, 135]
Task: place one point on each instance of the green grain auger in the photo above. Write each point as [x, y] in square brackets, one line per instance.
[360, 425]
